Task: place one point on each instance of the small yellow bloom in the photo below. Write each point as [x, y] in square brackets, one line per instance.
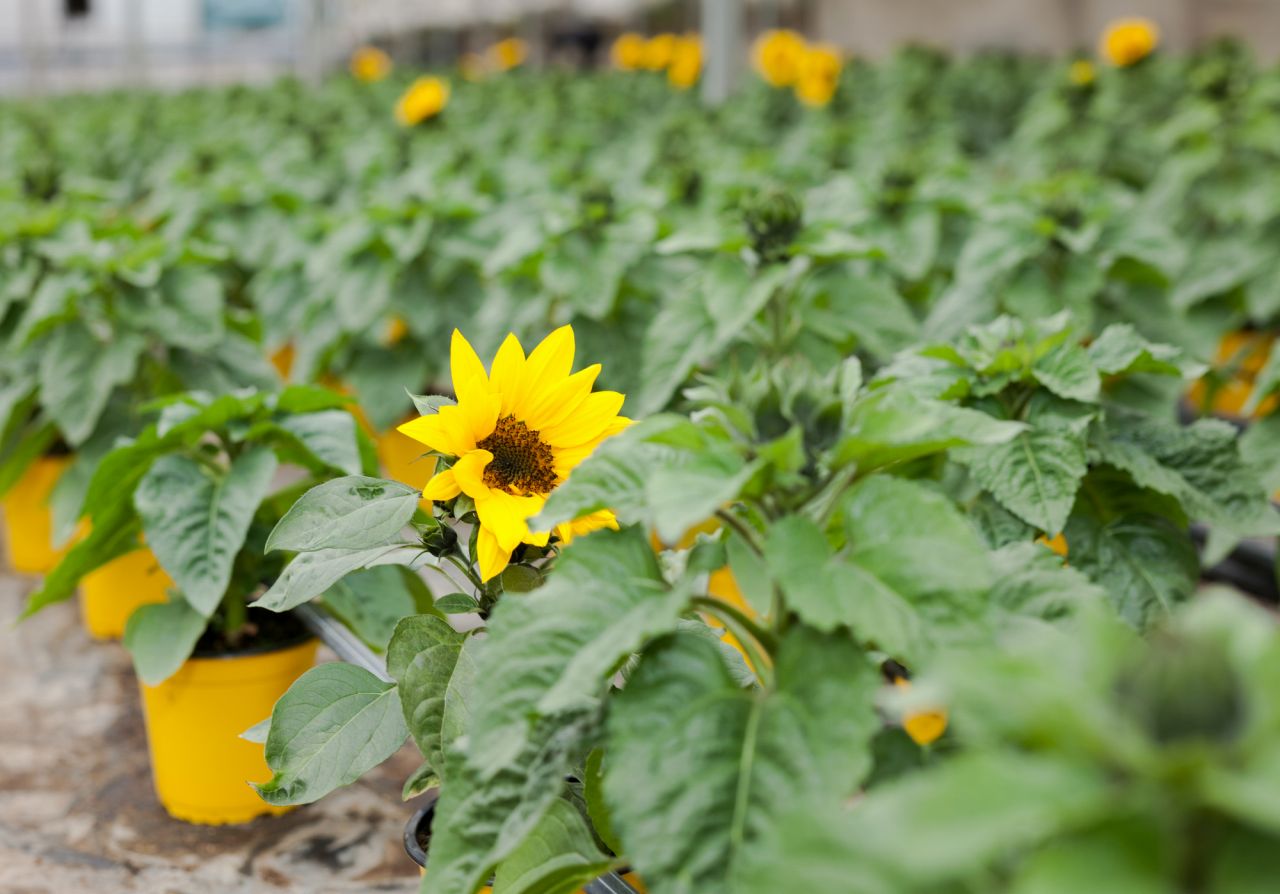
[369, 64]
[818, 75]
[1081, 73]
[777, 56]
[686, 62]
[507, 54]
[1127, 41]
[425, 98]
[659, 51]
[628, 51]
[924, 727]
[395, 332]
[1057, 544]
[517, 431]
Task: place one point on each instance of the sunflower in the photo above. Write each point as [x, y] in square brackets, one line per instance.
[507, 54]
[818, 75]
[370, 64]
[686, 62]
[1128, 41]
[777, 56]
[425, 98]
[659, 51]
[628, 51]
[517, 432]
[1081, 73]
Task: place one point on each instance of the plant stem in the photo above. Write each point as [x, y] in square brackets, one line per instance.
[727, 612]
[235, 614]
[740, 527]
[465, 568]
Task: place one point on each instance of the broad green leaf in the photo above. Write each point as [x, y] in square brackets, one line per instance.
[346, 513]
[731, 761]
[559, 856]
[372, 602]
[422, 656]
[1144, 562]
[914, 539]
[1035, 476]
[553, 650]
[196, 519]
[335, 723]
[114, 533]
[161, 638]
[892, 425]
[1120, 350]
[329, 435]
[77, 374]
[312, 574]
[1068, 372]
[186, 309]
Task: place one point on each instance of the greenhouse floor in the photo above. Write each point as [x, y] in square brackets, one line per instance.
[77, 812]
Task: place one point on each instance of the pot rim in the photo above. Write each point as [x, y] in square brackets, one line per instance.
[301, 637]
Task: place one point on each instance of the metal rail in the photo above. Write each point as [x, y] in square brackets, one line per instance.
[345, 644]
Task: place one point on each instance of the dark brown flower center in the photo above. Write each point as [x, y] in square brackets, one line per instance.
[522, 463]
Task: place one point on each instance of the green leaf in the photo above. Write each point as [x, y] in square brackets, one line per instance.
[329, 436]
[161, 638]
[77, 375]
[372, 602]
[348, 513]
[914, 539]
[1035, 476]
[1144, 562]
[196, 519]
[731, 761]
[1068, 371]
[312, 574]
[336, 723]
[423, 654]
[893, 425]
[185, 309]
[558, 856]
[114, 533]
[554, 649]
[1119, 350]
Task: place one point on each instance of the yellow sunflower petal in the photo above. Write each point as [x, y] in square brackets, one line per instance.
[468, 471]
[588, 421]
[493, 558]
[481, 412]
[506, 515]
[552, 360]
[507, 376]
[443, 486]
[469, 378]
[547, 406]
[603, 518]
[446, 431]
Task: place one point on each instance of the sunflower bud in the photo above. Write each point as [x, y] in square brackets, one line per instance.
[773, 218]
[438, 538]
[1183, 689]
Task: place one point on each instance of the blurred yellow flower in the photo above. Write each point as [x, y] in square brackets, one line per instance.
[507, 54]
[369, 64]
[777, 56]
[924, 727]
[818, 75]
[1081, 73]
[628, 51]
[425, 98]
[686, 62]
[659, 51]
[1127, 41]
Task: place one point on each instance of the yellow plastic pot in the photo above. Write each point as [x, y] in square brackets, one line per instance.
[109, 595]
[28, 521]
[1243, 354]
[199, 764]
[402, 459]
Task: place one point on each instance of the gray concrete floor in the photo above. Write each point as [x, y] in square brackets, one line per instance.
[77, 812]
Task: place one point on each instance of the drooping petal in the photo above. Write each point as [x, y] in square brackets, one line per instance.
[506, 515]
[493, 558]
[468, 472]
[547, 406]
[447, 431]
[469, 378]
[444, 486]
[588, 421]
[602, 518]
[507, 378]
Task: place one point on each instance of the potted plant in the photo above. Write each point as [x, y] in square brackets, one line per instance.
[200, 484]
